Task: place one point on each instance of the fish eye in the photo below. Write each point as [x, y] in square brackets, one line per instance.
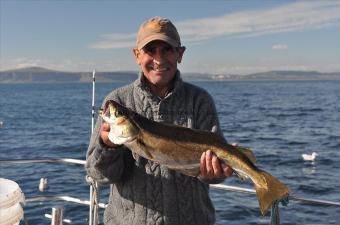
[118, 113]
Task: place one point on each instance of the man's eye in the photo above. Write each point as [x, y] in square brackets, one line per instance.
[168, 49]
[149, 50]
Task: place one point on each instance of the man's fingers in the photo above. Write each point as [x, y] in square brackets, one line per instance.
[105, 127]
[227, 170]
[203, 165]
[216, 166]
[104, 134]
[212, 167]
[208, 162]
[104, 131]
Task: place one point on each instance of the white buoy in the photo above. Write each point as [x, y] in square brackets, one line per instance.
[43, 184]
[310, 157]
[11, 197]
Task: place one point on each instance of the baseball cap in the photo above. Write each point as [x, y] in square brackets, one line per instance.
[157, 28]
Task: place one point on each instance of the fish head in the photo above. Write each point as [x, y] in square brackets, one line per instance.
[122, 127]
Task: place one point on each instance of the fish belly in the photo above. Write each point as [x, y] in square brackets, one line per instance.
[182, 157]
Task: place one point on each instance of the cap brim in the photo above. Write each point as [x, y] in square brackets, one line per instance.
[159, 37]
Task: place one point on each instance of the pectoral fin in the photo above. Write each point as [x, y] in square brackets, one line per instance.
[249, 153]
[145, 149]
[241, 174]
[192, 170]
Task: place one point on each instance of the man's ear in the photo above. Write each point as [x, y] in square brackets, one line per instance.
[180, 54]
[136, 54]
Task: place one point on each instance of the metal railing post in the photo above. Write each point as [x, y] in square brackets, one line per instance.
[94, 191]
[57, 216]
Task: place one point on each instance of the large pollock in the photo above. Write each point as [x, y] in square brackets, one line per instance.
[180, 149]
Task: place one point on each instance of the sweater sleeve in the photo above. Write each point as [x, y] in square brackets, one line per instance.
[206, 114]
[207, 119]
[104, 164]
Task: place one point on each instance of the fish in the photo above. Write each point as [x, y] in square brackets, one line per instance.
[180, 148]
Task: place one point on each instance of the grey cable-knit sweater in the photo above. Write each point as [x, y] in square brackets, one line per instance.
[144, 192]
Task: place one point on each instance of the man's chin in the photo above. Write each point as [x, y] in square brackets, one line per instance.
[160, 73]
[160, 83]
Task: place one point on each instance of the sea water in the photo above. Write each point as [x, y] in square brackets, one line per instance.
[279, 120]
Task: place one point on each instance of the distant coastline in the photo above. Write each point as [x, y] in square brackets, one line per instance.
[43, 75]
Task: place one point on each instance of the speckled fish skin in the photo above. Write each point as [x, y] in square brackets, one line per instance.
[180, 149]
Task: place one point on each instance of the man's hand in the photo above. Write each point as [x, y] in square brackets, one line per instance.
[104, 134]
[212, 168]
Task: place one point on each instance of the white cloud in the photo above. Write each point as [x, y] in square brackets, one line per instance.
[24, 62]
[115, 40]
[280, 47]
[298, 16]
[288, 18]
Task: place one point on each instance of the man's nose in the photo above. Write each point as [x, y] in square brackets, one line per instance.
[159, 55]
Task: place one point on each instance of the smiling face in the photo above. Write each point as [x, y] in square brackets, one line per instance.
[158, 61]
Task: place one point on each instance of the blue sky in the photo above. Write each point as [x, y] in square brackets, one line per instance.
[222, 37]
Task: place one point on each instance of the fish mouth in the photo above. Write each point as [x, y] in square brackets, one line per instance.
[121, 139]
[130, 139]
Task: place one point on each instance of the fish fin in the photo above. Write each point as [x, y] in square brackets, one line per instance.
[145, 149]
[189, 172]
[249, 153]
[268, 190]
[188, 169]
[241, 175]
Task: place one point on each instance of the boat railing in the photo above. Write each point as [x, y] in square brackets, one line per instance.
[57, 215]
[94, 204]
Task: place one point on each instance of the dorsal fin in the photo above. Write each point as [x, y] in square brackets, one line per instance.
[249, 153]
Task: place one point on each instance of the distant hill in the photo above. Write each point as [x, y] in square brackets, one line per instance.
[43, 75]
[294, 75]
[270, 75]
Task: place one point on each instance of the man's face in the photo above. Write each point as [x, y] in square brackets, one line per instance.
[158, 61]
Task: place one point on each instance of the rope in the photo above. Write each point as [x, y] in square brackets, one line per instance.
[275, 212]
[94, 200]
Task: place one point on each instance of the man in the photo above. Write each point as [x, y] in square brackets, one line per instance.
[145, 192]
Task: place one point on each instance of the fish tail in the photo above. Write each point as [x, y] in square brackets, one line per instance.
[268, 190]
